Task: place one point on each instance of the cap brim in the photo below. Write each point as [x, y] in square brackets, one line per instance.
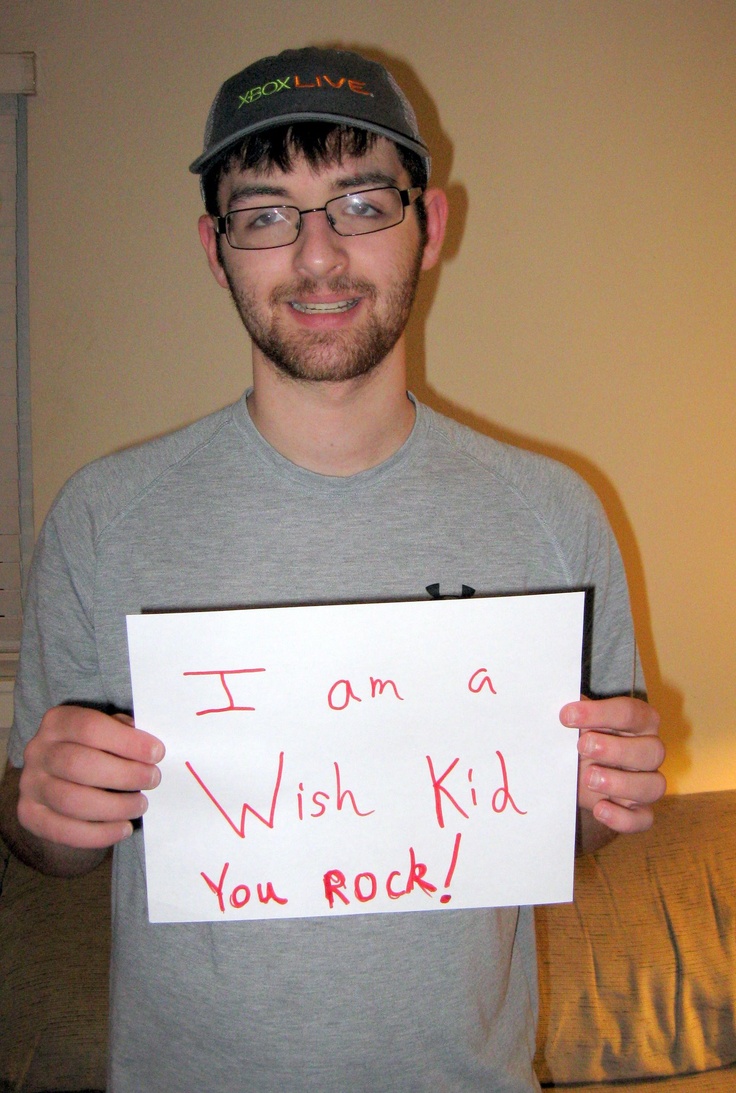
[201, 163]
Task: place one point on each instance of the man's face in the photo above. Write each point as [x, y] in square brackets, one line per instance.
[327, 307]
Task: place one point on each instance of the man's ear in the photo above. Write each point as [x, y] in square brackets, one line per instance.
[208, 236]
[435, 203]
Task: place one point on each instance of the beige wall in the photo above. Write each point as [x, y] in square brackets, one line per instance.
[585, 308]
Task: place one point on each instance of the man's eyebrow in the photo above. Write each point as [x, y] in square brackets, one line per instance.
[256, 189]
[342, 184]
[364, 178]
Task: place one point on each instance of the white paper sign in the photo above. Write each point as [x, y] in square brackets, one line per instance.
[355, 759]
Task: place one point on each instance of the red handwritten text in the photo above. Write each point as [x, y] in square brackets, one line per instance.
[479, 680]
[451, 871]
[444, 798]
[341, 693]
[321, 797]
[231, 702]
[344, 799]
[241, 893]
[365, 885]
[239, 829]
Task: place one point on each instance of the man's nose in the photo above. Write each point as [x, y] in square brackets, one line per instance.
[319, 250]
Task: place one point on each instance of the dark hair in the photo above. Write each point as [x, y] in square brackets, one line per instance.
[320, 143]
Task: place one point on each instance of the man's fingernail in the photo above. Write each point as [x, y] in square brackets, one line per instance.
[595, 778]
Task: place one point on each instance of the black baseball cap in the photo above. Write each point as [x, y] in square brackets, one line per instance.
[333, 85]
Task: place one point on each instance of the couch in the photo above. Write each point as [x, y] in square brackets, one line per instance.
[637, 976]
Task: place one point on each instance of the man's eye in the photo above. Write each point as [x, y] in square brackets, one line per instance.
[252, 219]
[264, 218]
[363, 209]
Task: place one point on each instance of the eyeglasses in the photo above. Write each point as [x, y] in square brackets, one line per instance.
[352, 214]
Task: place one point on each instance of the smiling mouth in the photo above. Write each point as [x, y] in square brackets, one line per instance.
[324, 309]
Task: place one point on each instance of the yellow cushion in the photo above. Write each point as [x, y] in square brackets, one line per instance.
[638, 975]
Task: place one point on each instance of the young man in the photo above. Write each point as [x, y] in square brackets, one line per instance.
[325, 483]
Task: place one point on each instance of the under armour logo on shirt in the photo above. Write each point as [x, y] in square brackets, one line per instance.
[434, 591]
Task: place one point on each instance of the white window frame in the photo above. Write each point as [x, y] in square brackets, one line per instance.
[17, 80]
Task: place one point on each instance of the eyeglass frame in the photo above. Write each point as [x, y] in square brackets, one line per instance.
[408, 197]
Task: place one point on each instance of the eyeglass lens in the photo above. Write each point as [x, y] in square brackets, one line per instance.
[351, 214]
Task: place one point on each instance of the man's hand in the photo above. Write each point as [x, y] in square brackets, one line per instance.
[84, 776]
[620, 755]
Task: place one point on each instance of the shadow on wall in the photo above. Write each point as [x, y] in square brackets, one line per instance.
[668, 699]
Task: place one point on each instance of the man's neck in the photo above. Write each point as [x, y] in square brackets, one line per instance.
[332, 428]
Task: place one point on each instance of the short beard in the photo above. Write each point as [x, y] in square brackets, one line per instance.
[331, 356]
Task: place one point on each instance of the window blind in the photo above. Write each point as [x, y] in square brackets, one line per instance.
[16, 509]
